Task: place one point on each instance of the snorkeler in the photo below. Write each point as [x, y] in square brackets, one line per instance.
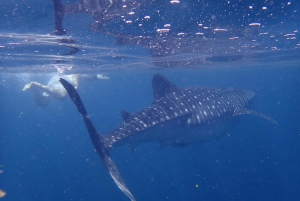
[54, 90]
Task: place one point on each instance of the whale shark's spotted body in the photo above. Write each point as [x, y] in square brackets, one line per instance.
[177, 117]
[182, 116]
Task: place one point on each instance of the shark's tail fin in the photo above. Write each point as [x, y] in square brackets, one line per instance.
[97, 139]
[261, 115]
[59, 10]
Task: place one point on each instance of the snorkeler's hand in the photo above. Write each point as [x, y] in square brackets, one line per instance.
[26, 87]
[30, 85]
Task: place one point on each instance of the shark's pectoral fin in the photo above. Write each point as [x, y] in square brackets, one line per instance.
[257, 114]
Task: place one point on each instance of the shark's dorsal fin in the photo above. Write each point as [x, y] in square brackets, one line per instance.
[243, 112]
[161, 86]
[125, 115]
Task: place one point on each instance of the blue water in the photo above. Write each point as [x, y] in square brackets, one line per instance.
[46, 153]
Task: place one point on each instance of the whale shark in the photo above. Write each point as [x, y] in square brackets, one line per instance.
[177, 117]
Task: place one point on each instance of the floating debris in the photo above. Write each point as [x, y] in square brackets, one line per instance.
[175, 2]
[147, 17]
[162, 30]
[288, 35]
[199, 34]
[255, 24]
[167, 25]
[220, 30]
[263, 34]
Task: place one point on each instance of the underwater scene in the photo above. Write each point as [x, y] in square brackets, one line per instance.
[149, 100]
